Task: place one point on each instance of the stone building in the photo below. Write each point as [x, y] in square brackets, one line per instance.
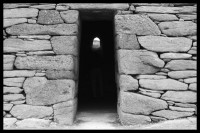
[148, 63]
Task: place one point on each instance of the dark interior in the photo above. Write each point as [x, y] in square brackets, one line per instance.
[104, 95]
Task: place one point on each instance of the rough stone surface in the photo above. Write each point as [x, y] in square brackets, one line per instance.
[157, 119]
[193, 87]
[156, 95]
[18, 102]
[28, 111]
[10, 22]
[165, 44]
[35, 37]
[49, 17]
[180, 96]
[162, 84]
[172, 114]
[11, 90]
[150, 91]
[33, 123]
[190, 80]
[175, 56]
[138, 62]
[135, 24]
[8, 61]
[16, 45]
[181, 109]
[62, 8]
[46, 6]
[60, 62]
[7, 107]
[182, 74]
[70, 16]
[41, 53]
[36, 29]
[178, 28]
[20, 13]
[9, 122]
[126, 83]
[187, 16]
[13, 97]
[127, 41]
[162, 17]
[65, 45]
[181, 65]
[40, 91]
[185, 105]
[18, 73]
[140, 104]
[60, 74]
[150, 77]
[19, 5]
[16, 82]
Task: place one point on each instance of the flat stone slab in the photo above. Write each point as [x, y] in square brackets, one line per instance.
[59, 62]
[9, 122]
[8, 61]
[139, 104]
[60, 74]
[181, 65]
[7, 107]
[20, 13]
[16, 82]
[181, 109]
[165, 44]
[17, 45]
[35, 37]
[178, 28]
[70, 16]
[33, 123]
[127, 83]
[193, 87]
[135, 24]
[162, 84]
[138, 62]
[18, 73]
[180, 96]
[162, 17]
[150, 77]
[187, 16]
[36, 29]
[13, 97]
[175, 56]
[190, 80]
[40, 91]
[10, 22]
[182, 74]
[46, 6]
[12, 90]
[25, 111]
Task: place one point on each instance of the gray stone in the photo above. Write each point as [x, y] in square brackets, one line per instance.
[46, 6]
[40, 91]
[178, 28]
[162, 17]
[157, 119]
[18, 73]
[20, 13]
[35, 37]
[40, 74]
[138, 62]
[41, 53]
[62, 8]
[13, 97]
[8, 61]
[127, 41]
[193, 87]
[19, 5]
[10, 22]
[18, 102]
[181, 109]
[175, 56]
[60, 74]
[127, 83]
[36, 29]
[180, 96]
[187, 16]
[28, 111]
[70, 16]
[172, 114]
[194, 43]
[165, 44]
[60, 62]
[194, 38]
[156, 95]
[161, 73]
[7, 107]
[33, 123]
[65, 45]
[185, 105]
[9, 122]
[182, 74]
[151, 91]
[16, 82]
[49, 17]
[11, 90]
[181, 65]
[32, 21]
[135, 24]
[190, 80]
[150, 77]
[162, 84]
[194, 52]
[170, 103]
[140, 104]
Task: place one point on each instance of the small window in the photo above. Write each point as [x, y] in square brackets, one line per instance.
[96, 43]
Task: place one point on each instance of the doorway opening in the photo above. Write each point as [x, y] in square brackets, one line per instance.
[97, 89]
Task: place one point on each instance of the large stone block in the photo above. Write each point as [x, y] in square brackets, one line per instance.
[140, 104]
[178, 28]
[60, 74]
[20, 13]
[40, 91]
[36, 29]
[138, 62]
[17, 45]
[65, 44]
[181, 65]
[8, 61]
[10, 22]
[28, 111]
[165, 44]
[17, 82]
[70, 16]
[180, 96]
[163, 84]
[60, 62]
[182, 74]
[127, 83]
[135, 24]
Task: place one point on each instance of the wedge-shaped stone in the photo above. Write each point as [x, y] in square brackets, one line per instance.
[180, 96]
[163, 17]
[181, 109]
[178, 28]
[138, 62]
[70, 16]
[7, 107]
[40, 91]
[20, 13]
[60, 62]
[162, 84]
[140, 104]
[17, 45]
[182, 74]
[17, 82]
[126, 83]
[10, 22]
[35, 29]
[165, 44]
[18, 73]
[181, 65]
[25, 111]
[135, 24]
[8, 61]
[175, 56]
[33, 123]
[150, 77]
[8, 90]
[13, 97]
[172, 114]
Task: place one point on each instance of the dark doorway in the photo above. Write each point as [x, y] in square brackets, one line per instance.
[97, 89]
